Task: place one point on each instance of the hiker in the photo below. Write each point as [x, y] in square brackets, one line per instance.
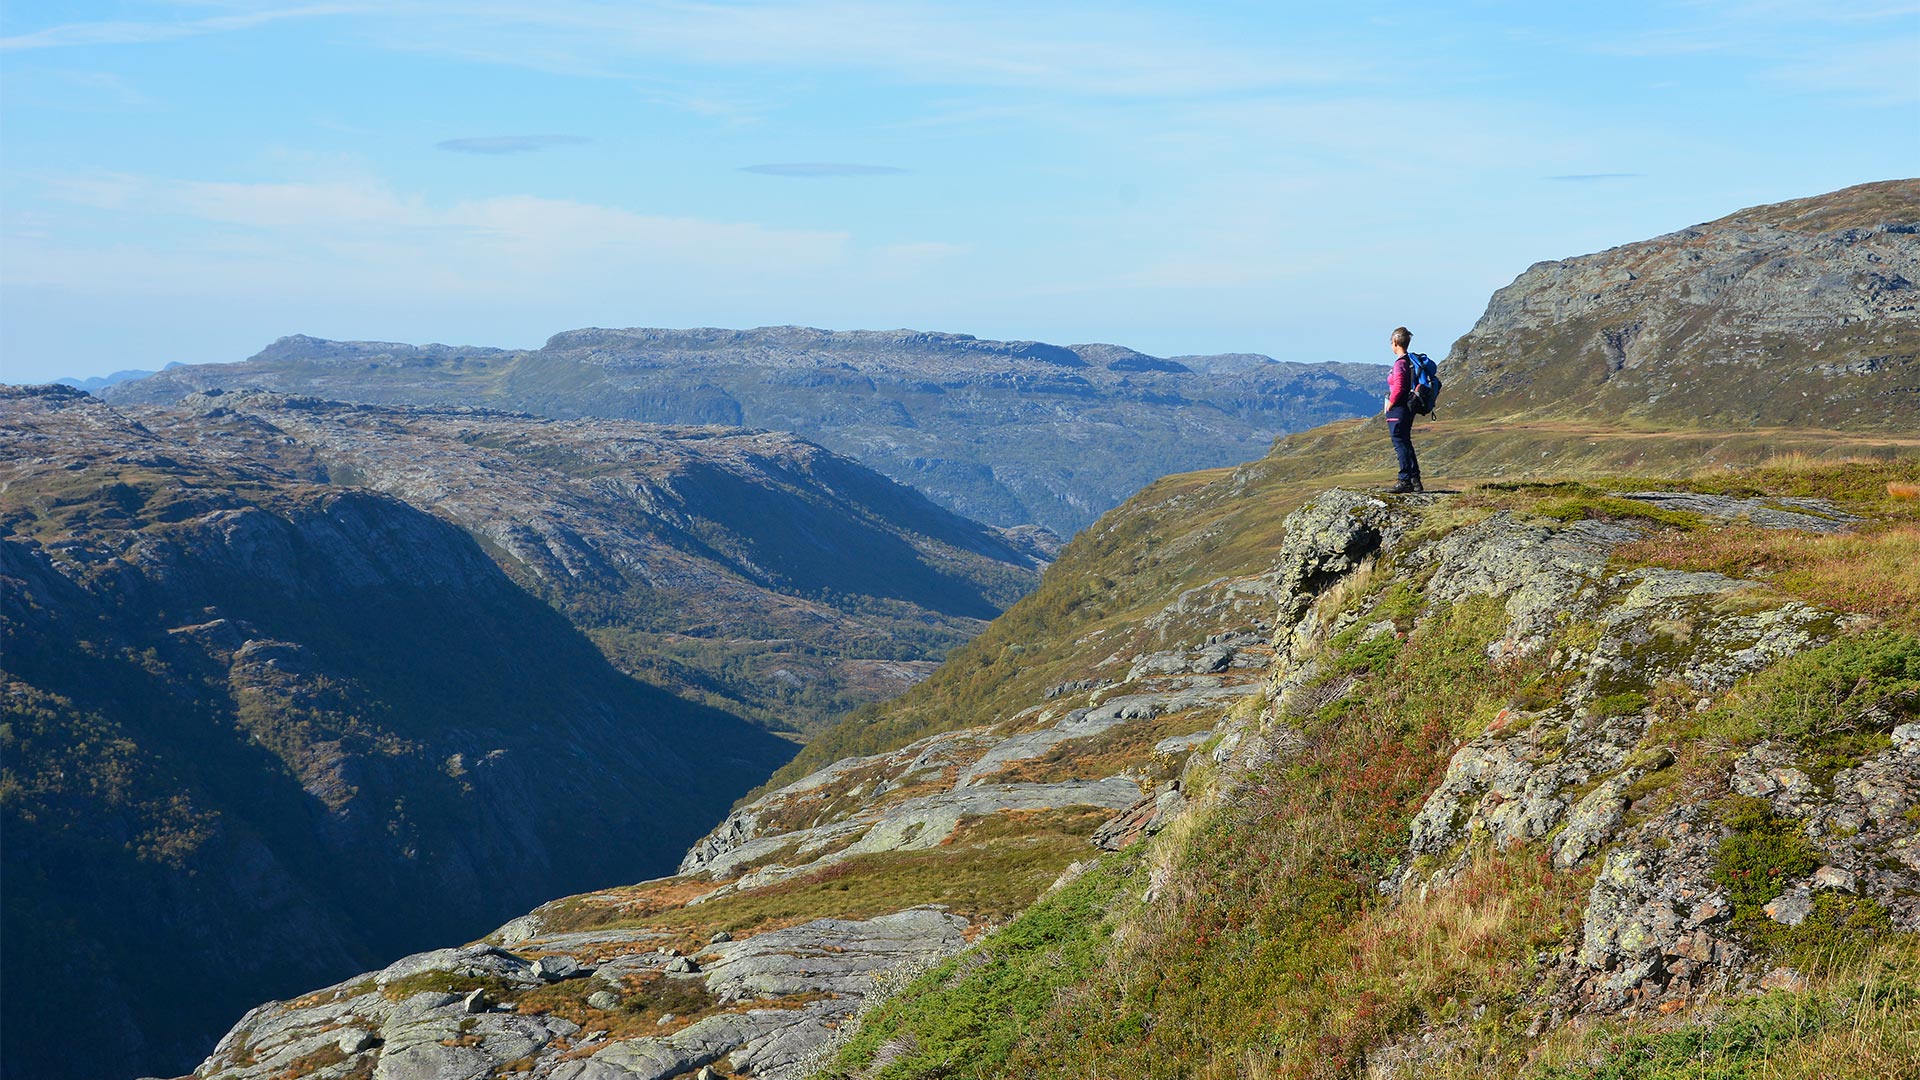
[1399, 413]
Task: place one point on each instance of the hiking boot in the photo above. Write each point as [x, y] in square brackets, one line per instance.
[1418, 486]
[1404, 487]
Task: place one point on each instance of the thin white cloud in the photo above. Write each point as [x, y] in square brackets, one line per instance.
[357, 237]
[130, 32]
[1075, 48]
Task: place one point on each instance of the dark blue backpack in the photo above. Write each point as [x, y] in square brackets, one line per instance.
[1426, 383]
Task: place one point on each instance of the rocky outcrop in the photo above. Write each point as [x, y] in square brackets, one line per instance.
[1804, 312]
[1012, 433]
[1570, 774]
[765, 1004]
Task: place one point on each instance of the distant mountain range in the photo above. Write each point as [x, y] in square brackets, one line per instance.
[1010, 433]
[101, 382]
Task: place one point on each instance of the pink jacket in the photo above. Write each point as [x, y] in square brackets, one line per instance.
[1399, 381]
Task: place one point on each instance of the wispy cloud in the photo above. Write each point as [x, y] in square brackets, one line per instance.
[1586, 177]
[1072, 48]
[816, 169]
[361, 234]
[510, 144]
[130, 32]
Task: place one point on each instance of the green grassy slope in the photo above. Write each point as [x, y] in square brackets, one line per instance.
[1267, 951]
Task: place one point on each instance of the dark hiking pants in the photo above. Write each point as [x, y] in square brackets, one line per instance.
[1400, 430]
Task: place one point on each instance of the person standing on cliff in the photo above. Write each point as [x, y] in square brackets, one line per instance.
[1399, 413]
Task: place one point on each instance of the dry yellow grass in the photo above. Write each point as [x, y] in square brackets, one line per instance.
[1874, 571]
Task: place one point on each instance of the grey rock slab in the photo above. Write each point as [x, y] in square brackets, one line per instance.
[1626, 919]
[1591, 822]
[1144, 818]
[923, 823]
[1180, 743]
[1510, 787]
[920, 823]
[555, 968]
[416, 1050]
[515, 931]
[1835, 878]
[831, 955]
[472, 960]
[604, 1000]
[586, 942]
[788, 1051]
[1807, 515]
[1864, 828]
[415, 1006]
[700, 1043]
[1790, 908]
[715, 853]
[1669, 624]
[1654, 920]
[1091, 721]
[1906, 738]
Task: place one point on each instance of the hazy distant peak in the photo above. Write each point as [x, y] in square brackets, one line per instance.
[101, 382]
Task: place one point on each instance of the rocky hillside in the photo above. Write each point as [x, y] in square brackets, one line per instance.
[1801, 313]
[302, 678]
[1011, 433]
[1504, 779]
[752, 571]
[1271, 777]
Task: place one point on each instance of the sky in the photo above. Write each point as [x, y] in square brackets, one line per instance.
[189, 181]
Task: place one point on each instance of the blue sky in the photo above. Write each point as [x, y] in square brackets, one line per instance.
[188, 181]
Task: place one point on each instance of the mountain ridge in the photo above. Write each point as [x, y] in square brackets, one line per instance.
[1010, 433]
[1804, 313]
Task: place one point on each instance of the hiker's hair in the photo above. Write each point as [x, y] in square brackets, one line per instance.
[1402, 336]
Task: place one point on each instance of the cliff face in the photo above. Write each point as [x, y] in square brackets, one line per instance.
[1011, 433]
[1802, 313]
